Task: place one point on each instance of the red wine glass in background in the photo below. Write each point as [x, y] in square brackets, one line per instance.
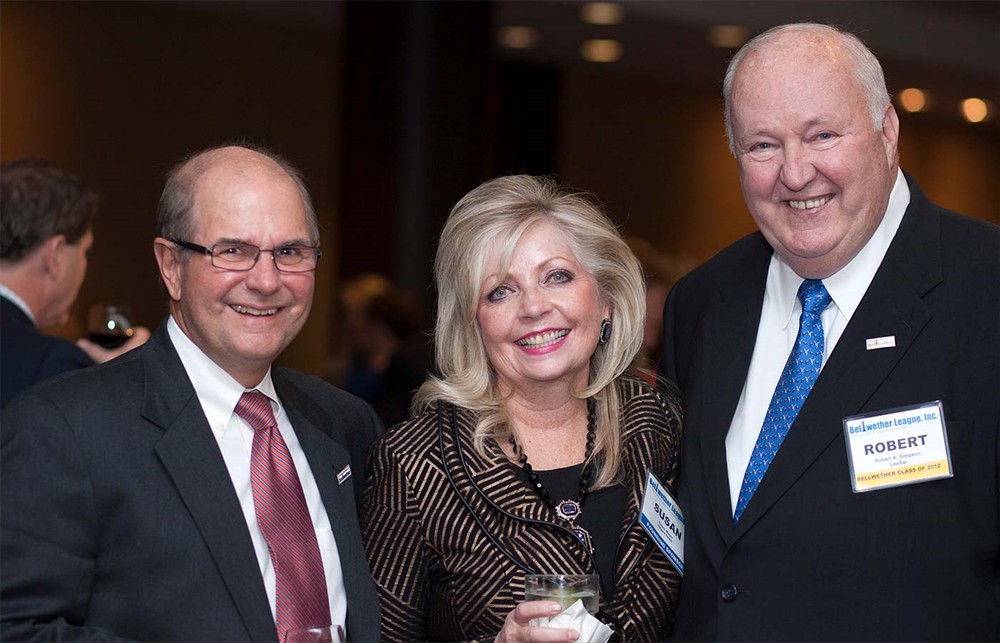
[108, 325]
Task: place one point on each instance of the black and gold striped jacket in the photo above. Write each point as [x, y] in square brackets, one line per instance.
[450, 535]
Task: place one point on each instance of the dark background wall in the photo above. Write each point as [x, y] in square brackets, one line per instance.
[393, 110]
[117, 92]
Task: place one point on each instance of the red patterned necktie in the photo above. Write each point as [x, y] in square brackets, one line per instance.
[301, 597]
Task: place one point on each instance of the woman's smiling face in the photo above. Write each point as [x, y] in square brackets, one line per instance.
[541, 320]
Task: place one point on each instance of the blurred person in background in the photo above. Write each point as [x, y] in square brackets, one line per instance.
[841, 454]
[529, 452]
[387, 357]
[662, 271]
[45, 235]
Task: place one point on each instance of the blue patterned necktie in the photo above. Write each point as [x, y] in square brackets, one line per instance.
[801, 371]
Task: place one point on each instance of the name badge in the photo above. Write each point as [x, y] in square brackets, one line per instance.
[897, 447]
[663, 521]
[344, 474]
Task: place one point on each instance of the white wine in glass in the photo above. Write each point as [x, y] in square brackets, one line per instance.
[317, 634]
[565, 589]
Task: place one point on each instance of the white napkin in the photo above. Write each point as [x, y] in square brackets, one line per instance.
[577, 617]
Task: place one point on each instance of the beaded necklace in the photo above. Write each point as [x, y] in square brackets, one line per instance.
[567, 510]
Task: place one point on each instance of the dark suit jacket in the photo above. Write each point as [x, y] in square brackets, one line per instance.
[809, 559]
[28, 356]
[120, 519]
[451, 534]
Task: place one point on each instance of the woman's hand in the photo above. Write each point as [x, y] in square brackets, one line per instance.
[516, 627]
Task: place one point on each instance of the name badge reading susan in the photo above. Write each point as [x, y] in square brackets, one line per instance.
[663, 521]
[897, 447]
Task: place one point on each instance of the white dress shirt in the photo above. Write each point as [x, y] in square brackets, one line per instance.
[15, 299]
[219, 393]
[779, 325]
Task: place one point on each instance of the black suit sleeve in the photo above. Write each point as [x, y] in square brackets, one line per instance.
[49, 530]
[60, 358]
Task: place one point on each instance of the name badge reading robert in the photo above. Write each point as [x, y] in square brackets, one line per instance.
[897, 447]
[663, 520]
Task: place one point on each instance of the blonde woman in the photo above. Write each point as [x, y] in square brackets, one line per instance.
[529, 453]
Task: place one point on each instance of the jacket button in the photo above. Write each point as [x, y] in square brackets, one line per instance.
[728, 593]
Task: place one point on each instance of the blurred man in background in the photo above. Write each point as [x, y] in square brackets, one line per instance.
[387, 357]
[45, 234]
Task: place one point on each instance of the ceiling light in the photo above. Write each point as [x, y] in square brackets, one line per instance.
[602, 13]
[518, 37]
[976, 110]
[601, 50]
[912, 99]
[727, 36]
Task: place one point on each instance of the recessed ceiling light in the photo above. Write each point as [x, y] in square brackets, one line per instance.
[976, 110]
[518, 37]
[601, 50]
[602, 13]
[912, 99]
[727, 36]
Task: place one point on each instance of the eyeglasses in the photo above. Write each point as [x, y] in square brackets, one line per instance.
[242, 257]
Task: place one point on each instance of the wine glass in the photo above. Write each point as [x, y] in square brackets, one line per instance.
[108, 325]
[565, 589]
[317, 634]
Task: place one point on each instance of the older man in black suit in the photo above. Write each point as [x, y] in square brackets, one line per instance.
[188, 491]
[826, 497]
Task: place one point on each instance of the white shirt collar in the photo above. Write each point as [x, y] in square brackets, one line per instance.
[217, 391]
[848, 285]
[13, 297]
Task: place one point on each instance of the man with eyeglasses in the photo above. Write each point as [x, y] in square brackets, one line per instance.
[190, 491]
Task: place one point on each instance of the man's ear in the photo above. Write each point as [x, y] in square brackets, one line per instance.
[890, 133]
[169, 260]
[51, 255]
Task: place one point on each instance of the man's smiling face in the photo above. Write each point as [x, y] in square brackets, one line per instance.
[242, 320]
[816, 174]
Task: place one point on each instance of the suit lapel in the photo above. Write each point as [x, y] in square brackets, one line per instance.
[327, 459]
[321, 433]
[892, 306]
[191, 457]
[729, 335]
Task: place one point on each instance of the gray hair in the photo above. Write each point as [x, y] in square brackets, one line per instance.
[490, 218]
[174, 218]
[866, 68]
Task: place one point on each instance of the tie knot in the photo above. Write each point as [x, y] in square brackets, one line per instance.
[255, 408]
[814, 297]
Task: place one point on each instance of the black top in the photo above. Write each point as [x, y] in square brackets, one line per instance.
[601, 516]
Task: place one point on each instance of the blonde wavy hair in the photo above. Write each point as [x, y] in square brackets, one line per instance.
[491, 219]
